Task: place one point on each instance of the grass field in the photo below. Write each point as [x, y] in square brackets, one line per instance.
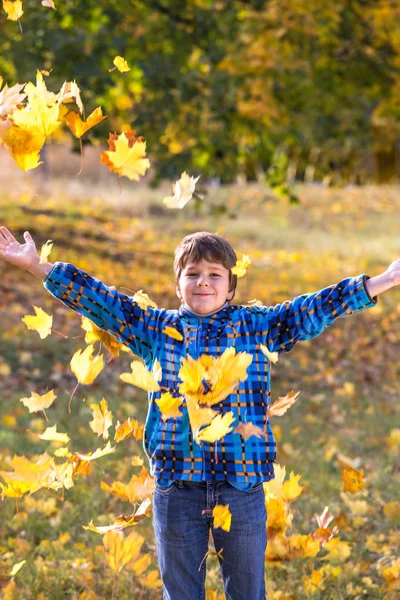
[348, 377]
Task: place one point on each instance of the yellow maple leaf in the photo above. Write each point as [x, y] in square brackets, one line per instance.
[246, 430]
[241, 266]
[13, 9]
[122, 550]
[183, 190]
[280, 406]
[337, 550]
[108, 449]
[353, 481]
[14, 490]
[51, 434]
[191, 373]
[126, 155]
[140, 377]
[41, 323]
[130, 428]
[37, 402]
[222, 516]
[121, 64]
[291, 488]
[102, 418]
[123, 521]
[198, 416]
[218, 428]
[172, 332]
[85, 367]
[45, 252]
[169, 406]
[142, 299]
[35, 475]
[95, 334]
[272, 356]
[79, 127]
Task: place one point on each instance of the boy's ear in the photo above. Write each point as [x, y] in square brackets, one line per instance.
[178, 293]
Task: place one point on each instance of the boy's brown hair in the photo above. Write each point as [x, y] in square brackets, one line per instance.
[208, 246]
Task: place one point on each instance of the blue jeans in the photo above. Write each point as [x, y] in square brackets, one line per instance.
[182, 519]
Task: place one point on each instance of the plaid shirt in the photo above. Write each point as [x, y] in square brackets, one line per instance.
[169, 445]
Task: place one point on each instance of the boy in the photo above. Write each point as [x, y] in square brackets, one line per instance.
[191, 478]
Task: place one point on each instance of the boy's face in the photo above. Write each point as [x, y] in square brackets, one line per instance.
[204, 286]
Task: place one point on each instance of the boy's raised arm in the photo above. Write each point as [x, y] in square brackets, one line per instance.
[25, 255]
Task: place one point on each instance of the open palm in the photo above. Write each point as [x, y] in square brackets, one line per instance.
[22, 255]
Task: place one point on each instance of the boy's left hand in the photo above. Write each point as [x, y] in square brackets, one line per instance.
[393, 272]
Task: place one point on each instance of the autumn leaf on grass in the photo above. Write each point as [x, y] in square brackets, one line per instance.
[85, 367]
[10, 98]
[222, 517]
[45, 252]
[122, 550]
[272, 356]
[143, 301]
[121, 64]
[241, 266]
[79, 127]
[172, 332]
[37, 402]
[41, 323]
[353, 481]
[218, 428]
[126, 155]
[95, 334]
[246, 430]
[140, 377]
[108, 449]
[280, 406]
[17, 567]
[51, 434]
[338, 550]
[129, 428]
[183, 190]
[13, 9]
[169, 406]
[102, 418]
[123, 521]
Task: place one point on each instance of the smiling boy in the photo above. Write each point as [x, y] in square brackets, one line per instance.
[192, 478]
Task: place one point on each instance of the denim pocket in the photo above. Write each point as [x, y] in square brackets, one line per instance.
[165, 491]
[256, 488]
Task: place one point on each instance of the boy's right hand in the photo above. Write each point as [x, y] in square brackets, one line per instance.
[21, 255]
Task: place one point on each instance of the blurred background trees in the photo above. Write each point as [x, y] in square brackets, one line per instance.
[230, 88]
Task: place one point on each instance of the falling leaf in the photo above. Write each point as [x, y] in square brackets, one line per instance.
[140, 377]
[95, 334]
[218, 428]
[10, 98]
[102, 418]
[41, 323]
[37, 402]
[51, 434]
[45, 252]
[169, 406]
[246, 430]
[79, 127]
[241, 266]
[13, 9]
[126, 155]
[353, 481]
[108, 449]
[272, 356]
[130, 428]
[70, 91]
[183, 190]
[49, 4]
[121, 64]
[222, 517]
[280, 406]
[122, 550]
[171, 332]
[123, 521]
[85, 367]
[143, 300]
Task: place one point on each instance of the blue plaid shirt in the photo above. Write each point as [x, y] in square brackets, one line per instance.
[169, 445]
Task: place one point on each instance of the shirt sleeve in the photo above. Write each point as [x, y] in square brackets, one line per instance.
[281, 326]
[105, 306]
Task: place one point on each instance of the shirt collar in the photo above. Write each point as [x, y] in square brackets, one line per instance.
[185, 310]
